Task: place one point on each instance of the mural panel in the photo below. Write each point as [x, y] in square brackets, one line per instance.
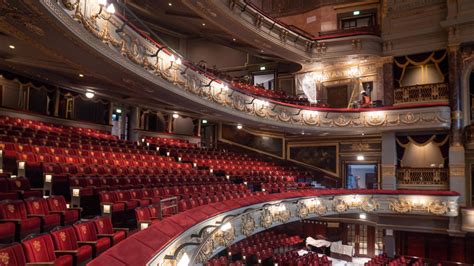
[324, 157]
[264, 143]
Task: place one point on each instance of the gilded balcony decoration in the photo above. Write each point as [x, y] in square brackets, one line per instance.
[420, 178]
[266, 218]
[428, 93]
[248, 225]
[151, 58]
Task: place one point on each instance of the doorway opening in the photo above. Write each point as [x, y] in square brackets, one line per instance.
[361, 176]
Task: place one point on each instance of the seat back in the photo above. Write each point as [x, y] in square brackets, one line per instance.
[65, 238]
[103, 224]
[85, 231]
[142, 214]
[39, 248]
[12, 209]
[57, 203]
[12, 255]
[37, 206]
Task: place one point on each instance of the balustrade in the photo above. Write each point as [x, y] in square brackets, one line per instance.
[428, 93]
[423, 178]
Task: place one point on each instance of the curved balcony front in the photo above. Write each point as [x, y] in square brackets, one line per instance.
[129, 52]
[202, 232]
[273, 37]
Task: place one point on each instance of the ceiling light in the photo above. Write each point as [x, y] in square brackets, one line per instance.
[204, 121]
[90, 94]
[203, 24]
[11, 46]
[234, 39]
[239, 126]
[170, 4]
[263, 68]
[356, 13]
[175, 115]
[363, 216]
[81, 75]
[118, 111]
[111, 9]
[261, 51]
[360, 157]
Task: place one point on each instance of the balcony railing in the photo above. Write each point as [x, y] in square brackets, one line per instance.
[429, 93]
[423, 178]
[369, 30]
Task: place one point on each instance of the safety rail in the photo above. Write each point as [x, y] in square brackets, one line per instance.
[428, 178]
[428, 93]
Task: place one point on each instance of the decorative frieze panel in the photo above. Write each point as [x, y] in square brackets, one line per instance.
[157, 64]
[233, 226]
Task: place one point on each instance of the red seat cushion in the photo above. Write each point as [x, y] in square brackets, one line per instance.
[65, 239]
[119, 236]
[12, 255]
[102, 244]
[7, 232]
[41, 249]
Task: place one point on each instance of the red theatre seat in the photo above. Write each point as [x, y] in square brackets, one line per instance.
[104, 227]
[14, 211]
[65, 241]
[40, 249]
[38, 207]
[7, 232]
[12, 255]
[57, 204]
[87, 234]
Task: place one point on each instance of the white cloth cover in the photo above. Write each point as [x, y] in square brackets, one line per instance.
[302, 252]
[339, 248]
[317, 242]
[306, 82]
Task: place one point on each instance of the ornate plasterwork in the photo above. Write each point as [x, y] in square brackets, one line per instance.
[140, 51]
[400, 206]
[248, 225]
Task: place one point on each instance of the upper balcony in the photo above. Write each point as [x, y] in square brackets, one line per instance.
[131, 52]
[275, 37]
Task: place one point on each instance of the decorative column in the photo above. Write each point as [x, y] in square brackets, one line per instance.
[169, 123]
[134, 123]
[388, 85]
[389, 161]
[457, 175]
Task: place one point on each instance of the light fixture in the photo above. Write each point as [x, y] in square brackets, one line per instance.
[106, 208]
[118, 111]
[211, 170]
[90, 94]
[179, 159]
[363, 216]
[302, 133]
[203, 24]
[11, 46]
[245, 183]
[168, 153]
[239, 126]
[226, 227]
[195, 165]
[356, 13]
[234, 39]
[360, 157]
[261, 51]
[175, 115]
[227, 176]
[81, 75]
[170, 4]
[13, 176]
[263, 190]
[48, 178]
[75, 192]
[148, 144]
[262, 68]
[157, 148]
[184, 260]
[143, 226]
[110, 9]
[21, 165]
[204, 121]
[68, 205]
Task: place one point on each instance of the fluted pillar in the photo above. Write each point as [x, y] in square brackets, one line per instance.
[389, 161]
[134, 123]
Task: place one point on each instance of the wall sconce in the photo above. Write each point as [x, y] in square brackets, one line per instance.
[76, 192]
[239, 126]
[179, 159]
[227, 176]
[195, 165]
[157, 148]
[363, 216]
[360, 157]
[148, 144]
[144, 226]
[68, 205]
[89, 94]
[168, 153]
[175, 115]
[263, 190]
[21, 165]
[245, 182]
[143, 139]
[211, 170]
[48, 178]
[106, 209]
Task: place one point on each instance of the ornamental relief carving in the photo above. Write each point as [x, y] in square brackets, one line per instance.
[369, 205]
[400, 206]
[140, 51]
[248, 225]
[437, 207]
[266, 219]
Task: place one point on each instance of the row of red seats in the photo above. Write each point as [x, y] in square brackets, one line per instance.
[122, 200]
[272, 94]
[35, 215]
[50, 128]
[92, 185]
[384, 260]
[169, 142]
[17, 188]
[292, 258]
[65, 246]
[223, 260]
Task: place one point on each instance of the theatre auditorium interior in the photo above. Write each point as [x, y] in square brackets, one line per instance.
[236, 132]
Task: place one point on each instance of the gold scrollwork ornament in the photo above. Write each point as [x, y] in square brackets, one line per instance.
[302, 210]
[248, 225]
[437, 207]
[401, 206]
[266, 218]
[341, 206]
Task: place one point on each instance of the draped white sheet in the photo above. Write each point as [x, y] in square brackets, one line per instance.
[306, 82]
[317, 242]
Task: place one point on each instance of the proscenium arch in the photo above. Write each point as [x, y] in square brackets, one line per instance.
[468, 68]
